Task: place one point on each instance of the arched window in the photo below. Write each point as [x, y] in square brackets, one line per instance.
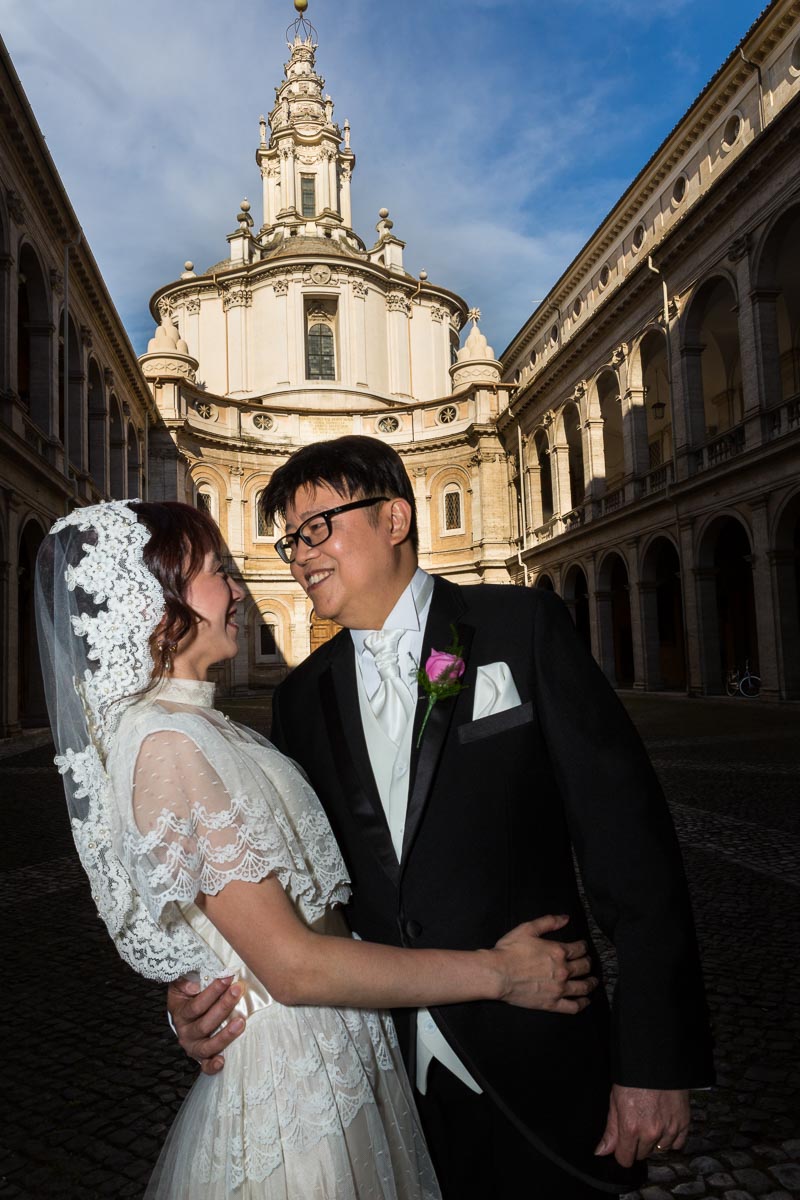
[320, 357]
[452, 509]
[267, 637]
[206, 500]
[262, 528]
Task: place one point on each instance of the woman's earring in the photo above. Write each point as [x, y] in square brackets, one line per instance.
[167, 655]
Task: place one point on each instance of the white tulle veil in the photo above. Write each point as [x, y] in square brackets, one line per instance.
[97, 607]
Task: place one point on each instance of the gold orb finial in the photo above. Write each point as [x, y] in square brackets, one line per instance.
[301, 5]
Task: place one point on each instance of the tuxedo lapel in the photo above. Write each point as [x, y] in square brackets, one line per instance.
[339, 695]
[446, 608]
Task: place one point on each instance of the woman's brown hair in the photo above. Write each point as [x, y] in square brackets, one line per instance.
[180, 538]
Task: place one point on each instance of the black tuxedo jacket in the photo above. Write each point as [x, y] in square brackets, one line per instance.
[496, 809]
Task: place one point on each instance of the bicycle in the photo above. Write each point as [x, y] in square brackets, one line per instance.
[743, 684]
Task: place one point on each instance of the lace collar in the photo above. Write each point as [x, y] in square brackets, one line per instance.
[198, 692]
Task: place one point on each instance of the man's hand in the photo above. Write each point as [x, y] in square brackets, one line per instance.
[544, 974]
[641, 1120]
[196, 1015]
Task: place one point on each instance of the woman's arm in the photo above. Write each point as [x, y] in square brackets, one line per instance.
[299, 966]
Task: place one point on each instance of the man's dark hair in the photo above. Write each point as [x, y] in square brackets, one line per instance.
[353, 466]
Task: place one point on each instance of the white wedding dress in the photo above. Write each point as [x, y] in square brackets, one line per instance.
[313, 1102]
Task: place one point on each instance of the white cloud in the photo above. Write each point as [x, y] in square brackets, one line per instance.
[498, 134]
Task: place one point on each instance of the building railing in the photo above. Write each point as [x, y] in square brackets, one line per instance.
[41, 444]
[720, 449]
[656, 480]
[782, 419]
[613, 500]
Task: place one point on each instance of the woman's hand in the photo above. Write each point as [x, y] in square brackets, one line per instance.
[542, 973]
[197, 1016]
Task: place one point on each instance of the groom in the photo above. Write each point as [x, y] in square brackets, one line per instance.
[454, 833]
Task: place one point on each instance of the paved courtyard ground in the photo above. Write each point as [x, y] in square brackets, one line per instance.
[92, 1076]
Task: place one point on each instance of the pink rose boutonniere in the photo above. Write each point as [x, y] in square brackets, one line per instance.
[441, 675]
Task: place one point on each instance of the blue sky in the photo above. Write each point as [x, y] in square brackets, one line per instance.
[498, 133]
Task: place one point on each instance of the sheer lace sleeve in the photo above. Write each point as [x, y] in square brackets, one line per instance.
[198, 825]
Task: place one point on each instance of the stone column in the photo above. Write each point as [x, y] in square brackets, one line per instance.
[712, 682]
[594, 625]
[604, 621]
[559, 470]
[419, 481]
[359, 346]
[690, 417]
[691, 609]
[787, 615]
[397, 310]
[236, 302]
[764, 305]
[634, 432]
[331, 181]
[651, 644]
[281, 329]
[594, 462]
[767, 616]
[748, 344]
[637, 628]
[345, 207]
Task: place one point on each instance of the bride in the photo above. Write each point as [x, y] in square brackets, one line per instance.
[209, 853]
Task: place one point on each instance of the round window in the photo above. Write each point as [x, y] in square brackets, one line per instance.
[733, 127]
[577, 307]
[605, 275]
[206, 411]
[263, 422]
[447, 415]
[638, 236]
[388, 425]
[679, 190]
[554, 335]
[794, 66]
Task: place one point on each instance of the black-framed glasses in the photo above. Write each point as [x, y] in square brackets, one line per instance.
[318, 529]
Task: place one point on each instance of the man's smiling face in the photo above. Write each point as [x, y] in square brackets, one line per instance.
[351, 578]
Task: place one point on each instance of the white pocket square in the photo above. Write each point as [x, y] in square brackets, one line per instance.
[495, 690]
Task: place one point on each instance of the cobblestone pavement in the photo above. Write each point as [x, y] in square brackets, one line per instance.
[92, 1076]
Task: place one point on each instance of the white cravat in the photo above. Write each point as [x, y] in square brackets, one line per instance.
[387, 662]
[391, 703]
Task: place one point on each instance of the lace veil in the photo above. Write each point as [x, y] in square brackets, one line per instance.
[97, 605]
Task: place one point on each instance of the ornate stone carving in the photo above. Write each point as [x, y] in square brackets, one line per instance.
[388, 425]
[263, 422]
[359, 287]
[171, 368]
[280, 286]
[739, 247]
[108, 377]
[398, 302]
[455, 321]
[204, 410]
[320, 273]
[237, 297]
[345, 174]
[237, 472]
[619, 355]
[86, 337]
[165, 307]
[447, 414]
[192, 306]
[57, 281]
[15, 205]
[438, 313]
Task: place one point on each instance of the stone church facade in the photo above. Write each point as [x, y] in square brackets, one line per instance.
[303, 332]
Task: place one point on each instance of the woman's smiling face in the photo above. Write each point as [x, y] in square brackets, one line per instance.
[213, 595]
